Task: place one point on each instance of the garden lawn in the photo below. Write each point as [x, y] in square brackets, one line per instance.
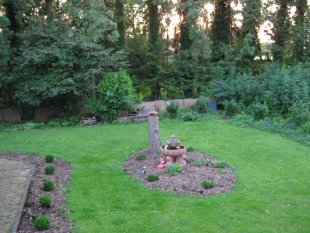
[272, 193]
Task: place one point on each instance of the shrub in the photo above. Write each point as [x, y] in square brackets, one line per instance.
[299, 114]
[174, 169]
[220, 165]
[140, 157]
[259, 111]
[173, 109]
[306, 127]
[189, 115]
[45, 201]
[231, 108]
[49, 158]
[207, 184]
[116, 94]
[190, 149]
[48, 185]
[201, 105]
[42, 223]
[49, 170]
[152, 178]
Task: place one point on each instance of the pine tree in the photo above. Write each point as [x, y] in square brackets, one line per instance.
[119, 16]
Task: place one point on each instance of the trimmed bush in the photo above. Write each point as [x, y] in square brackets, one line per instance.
[42, 222]
[49, 170]
[140, 157]
[49, 158]
[45, 201]
[173, 109]
[48, 185]
[207, 184]
[152, 178]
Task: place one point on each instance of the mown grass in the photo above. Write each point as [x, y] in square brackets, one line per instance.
[271, 195]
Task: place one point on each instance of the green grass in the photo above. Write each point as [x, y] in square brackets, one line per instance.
[271, 195]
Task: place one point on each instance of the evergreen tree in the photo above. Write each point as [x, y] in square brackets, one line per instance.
[119, 16]
[221, 27]
[301, 32]
[281, 30]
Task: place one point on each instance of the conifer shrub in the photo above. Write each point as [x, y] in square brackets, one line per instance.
[173, 109]
[42, 222]
[49, 158]
[48, 185]
[45, 201]
[152, 178]
[49, 170]
[207, 184]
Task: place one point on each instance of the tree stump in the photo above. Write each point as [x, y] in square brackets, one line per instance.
[153, 133]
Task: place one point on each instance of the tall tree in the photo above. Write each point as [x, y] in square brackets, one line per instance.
[302, 31]
[120, 21]
[221, 27]
[281, 30]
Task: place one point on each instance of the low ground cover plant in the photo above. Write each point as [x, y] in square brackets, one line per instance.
[48, 185]
[45, 201]
[42, 222]
[49, 170]
[174, 168]
[140, 157]
[152, 178]
[49, 158]
[207, 184]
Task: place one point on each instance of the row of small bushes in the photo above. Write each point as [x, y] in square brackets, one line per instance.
[43, 222]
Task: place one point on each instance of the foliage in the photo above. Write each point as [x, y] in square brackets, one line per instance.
[300, 114]
[306, 127]
[173, 109]
[49, 158]
[152, 178]
[220, 165]
[116, 94]
[48, 185]
[231, 108]
[42, 222]
[201, 105]
[49, 170]
[140, 157]
[188, 114]
[258, 110]
[202, 161]
[45, 201]
[174, 168]
[190, 149]
[207, 184]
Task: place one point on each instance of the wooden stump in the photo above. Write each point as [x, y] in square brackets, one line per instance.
[153, 133]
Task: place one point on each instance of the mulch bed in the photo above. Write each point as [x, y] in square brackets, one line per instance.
[32, 209]
[189, 181]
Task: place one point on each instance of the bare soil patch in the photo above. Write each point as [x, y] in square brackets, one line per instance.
[189, 180]
[57, 212]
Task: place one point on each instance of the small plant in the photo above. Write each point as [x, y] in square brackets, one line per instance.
[42, 223]
[173, 109]
[207, 184]
[174, 169]
[190, 149]
[202, 161]
[152, 178]
[48, 185]
[140, 157]
[259, 111]
[49, 158]
[45, 201]
[220, 165]
[49, 170]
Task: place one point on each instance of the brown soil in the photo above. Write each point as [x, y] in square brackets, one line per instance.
[189, 181]
[58, 210]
